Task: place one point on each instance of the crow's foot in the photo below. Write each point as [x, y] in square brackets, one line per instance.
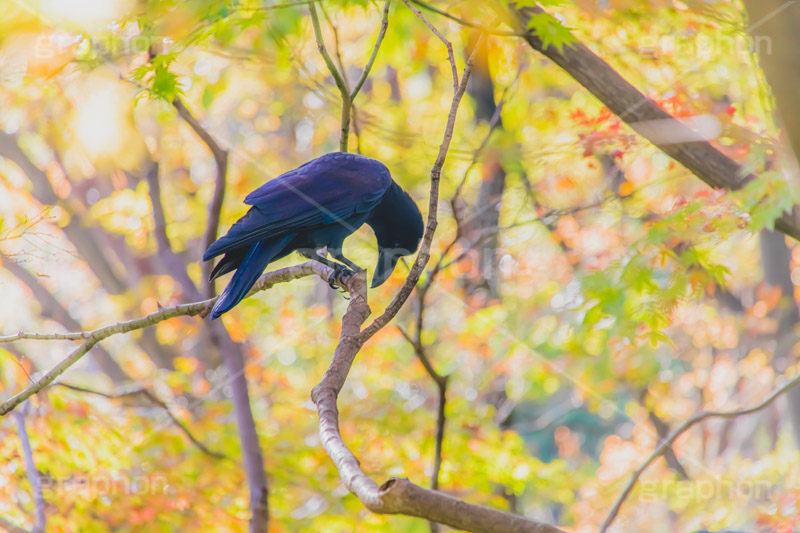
[337, 276]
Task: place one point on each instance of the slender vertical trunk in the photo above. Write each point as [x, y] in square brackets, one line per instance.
[253, 459]
[485, 216]
[776, 260]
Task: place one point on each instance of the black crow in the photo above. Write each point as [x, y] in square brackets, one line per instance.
[314, 206]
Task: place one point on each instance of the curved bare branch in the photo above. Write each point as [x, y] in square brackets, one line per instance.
[683, 428]
[91, 338]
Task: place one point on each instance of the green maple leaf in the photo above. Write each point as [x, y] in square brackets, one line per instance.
[550, 30]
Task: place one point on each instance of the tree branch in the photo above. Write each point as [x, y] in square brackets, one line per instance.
[11, 527]
[484, 29]
[253, 458]
[53, 309]
[441, 418]
[440, 380]
[669, 441]
[662, 431]
[201, 308]
[450, 56]
[397, 495]
[231, 351]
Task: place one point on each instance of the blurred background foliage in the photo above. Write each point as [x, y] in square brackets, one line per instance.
[618, 295]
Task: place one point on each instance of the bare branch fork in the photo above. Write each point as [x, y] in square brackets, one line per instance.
[340, 77]
[398, 495]
[683, 428]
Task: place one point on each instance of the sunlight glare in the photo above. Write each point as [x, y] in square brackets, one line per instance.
[100, 117]
[85, 14]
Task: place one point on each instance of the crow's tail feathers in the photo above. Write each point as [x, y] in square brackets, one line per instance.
[252, 265]
[228, 263]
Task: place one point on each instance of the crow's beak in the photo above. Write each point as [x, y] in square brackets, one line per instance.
[387, 259]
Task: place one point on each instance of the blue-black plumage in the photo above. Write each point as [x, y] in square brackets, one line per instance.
[314, 206]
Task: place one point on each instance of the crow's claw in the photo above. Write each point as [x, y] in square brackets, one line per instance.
[337, 276]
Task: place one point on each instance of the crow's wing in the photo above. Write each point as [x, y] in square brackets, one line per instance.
[327, 190]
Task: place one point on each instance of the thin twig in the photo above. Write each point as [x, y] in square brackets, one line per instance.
[201, 308]
[216, 149]
[441, 381]
[365, 74]
[153, 399]
[484, 29]
[337, 49]
[340, 77]
[423, 357]
[670, 440]
[79, 336]
[441, 420]
[276, 6]
[450, 56]
[378, 42]
[337, 77]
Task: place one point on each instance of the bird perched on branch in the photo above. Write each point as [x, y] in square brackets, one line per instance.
[317, 206]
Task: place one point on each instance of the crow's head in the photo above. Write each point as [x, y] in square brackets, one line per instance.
[398, 227]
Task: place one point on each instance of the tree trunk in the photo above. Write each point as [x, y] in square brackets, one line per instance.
[485, 216]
